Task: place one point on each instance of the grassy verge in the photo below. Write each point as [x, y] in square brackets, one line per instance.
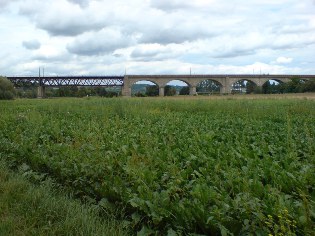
[28, 209]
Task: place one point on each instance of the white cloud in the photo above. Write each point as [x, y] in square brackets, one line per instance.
[210, 36]
[103, 42]
[284, 60]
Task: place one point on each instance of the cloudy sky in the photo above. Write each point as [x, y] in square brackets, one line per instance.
[111, 37]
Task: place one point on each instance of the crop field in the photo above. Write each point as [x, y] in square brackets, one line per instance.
[175, 166]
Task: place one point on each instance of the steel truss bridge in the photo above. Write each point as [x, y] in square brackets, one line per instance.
[56, 81]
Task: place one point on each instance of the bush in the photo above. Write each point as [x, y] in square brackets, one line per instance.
[7, 90]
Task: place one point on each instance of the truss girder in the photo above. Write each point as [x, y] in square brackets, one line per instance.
[108, 81]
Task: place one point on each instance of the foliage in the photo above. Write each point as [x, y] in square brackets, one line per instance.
[139, 94]
[26, 92]
[270, 88]
[184, 90]
[244, 86]
[251, 88]
[296, 85]
[7, 90]
[208, 86]
[152, 90]
[39, 208]
[308, 86]
[169, 90]
[176, 166]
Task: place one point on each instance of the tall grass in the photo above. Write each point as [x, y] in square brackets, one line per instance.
[28, 209]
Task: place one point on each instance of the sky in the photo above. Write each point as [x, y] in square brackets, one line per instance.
[117, 37]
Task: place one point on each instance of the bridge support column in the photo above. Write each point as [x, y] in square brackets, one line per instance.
[40, 92]
[161, 91]
[126, 89]
[192, 90]
[224, 90]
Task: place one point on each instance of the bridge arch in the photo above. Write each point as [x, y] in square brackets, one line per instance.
[143, 87]
[244, 85]
[272, 86]
[177, 87]
[209, 86]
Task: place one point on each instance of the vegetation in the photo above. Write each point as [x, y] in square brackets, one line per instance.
[40, 209]
[297, 85]
[30, 91]
[7, 91]
[212, 167]
[208, 86]
[152, 90]
[169, 90]
[184, 90]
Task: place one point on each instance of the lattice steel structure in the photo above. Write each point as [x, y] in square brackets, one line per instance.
[108, 81]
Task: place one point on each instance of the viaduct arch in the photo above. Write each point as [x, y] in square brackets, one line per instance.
[225, 81]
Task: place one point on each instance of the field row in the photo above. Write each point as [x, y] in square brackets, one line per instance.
[176, 166]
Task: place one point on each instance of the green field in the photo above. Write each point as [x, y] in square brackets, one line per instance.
[175, 166]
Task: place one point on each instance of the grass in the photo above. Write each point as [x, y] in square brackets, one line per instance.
[41, 209]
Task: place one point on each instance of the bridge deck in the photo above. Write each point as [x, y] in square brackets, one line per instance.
[69, 80]
[119, 80]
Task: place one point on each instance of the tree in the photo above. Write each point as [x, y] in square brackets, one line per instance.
[169, 90]
[152, 90]
[308, 86]
[208, 86]
[266, 88]
[294, 86]
[250, 87]
[239, 87]
[184, 91]
[7, 90]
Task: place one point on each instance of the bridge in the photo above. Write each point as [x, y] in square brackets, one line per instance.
[225, 82]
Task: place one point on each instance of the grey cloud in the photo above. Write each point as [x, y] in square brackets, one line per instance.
[234, 53]
[100, 43]
[81, 3]
[143, 53]
[31, 45]
[70, 27]
[167, 5]
[62, 58]
[4, 3]
[173, 35]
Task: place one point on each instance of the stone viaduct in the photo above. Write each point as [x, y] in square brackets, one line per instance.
[225, 81]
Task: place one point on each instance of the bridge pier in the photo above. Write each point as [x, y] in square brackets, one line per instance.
[224, 90]
[126, 91]
[192, 90]
[41, 92]
[126, 88]
[161, 91]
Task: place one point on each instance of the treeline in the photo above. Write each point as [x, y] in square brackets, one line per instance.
[68, 91]
[169, 90]
[296, 85]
